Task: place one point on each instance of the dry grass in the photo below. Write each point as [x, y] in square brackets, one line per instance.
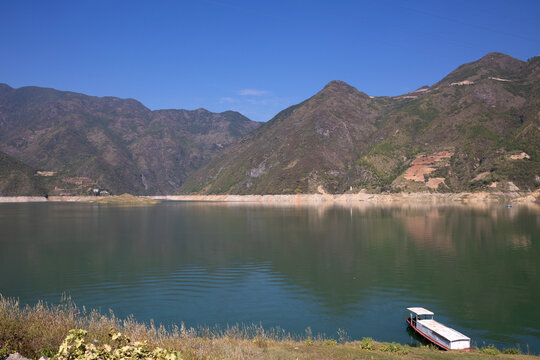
[125, 200]
[38, 330]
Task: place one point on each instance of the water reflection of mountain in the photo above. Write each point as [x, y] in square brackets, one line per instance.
[477, 263]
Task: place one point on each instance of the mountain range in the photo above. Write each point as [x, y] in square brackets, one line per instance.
[111, 143]
[476, 129]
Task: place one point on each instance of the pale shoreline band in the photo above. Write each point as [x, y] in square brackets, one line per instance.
[314, 199]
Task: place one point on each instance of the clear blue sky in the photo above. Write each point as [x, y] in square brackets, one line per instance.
[256, 57]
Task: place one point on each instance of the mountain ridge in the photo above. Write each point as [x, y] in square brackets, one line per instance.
[478, 128]
[118, 143]
[469, 126]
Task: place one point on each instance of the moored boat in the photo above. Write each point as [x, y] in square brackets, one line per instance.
[421, 320]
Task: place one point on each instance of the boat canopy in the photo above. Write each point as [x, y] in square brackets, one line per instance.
[444, 331]
[420, 311]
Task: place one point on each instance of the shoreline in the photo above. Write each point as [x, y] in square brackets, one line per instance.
[349, 199]
[362, 199]
[38, 330]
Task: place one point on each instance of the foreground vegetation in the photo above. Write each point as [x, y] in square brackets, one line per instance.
[48, 330]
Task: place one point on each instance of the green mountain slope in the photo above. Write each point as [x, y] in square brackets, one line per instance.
[478, 128]
[118, 143]
[17, 178]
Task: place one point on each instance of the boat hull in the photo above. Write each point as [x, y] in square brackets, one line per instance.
[433, 341]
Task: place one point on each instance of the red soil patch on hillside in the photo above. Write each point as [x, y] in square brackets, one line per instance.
[425, 164]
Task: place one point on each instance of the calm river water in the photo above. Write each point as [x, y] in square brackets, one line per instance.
[324, 268]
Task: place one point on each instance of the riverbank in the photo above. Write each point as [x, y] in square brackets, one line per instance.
[35, 331]
[124, 199]
[426, 198]
[362, 199]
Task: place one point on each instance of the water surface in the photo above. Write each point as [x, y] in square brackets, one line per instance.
[324, 268]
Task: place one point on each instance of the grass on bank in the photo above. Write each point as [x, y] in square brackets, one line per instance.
[39, 330]
[126, 200]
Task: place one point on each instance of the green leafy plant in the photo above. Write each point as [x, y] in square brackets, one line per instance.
[74, 347]
[511, 351]
[391, 347]
[367, 344]
[490, 350]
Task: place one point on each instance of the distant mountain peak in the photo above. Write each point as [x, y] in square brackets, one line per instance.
[235, 116]
[492, 64]
[499, 60]
[340, 87]
[497, 55]
[337, 84]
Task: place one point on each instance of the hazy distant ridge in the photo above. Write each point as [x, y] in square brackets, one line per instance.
[118, 143]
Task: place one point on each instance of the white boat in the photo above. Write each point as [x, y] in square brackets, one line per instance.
[421, 320]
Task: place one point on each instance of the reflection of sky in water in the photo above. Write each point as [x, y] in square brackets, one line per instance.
[326, 268]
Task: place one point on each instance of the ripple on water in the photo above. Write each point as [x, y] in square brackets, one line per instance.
[355, 270]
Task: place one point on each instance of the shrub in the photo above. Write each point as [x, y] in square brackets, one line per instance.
[367, 344]
[330, 342]
[490, 350]
[74, 347]
[511, 351]
[391, 347]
